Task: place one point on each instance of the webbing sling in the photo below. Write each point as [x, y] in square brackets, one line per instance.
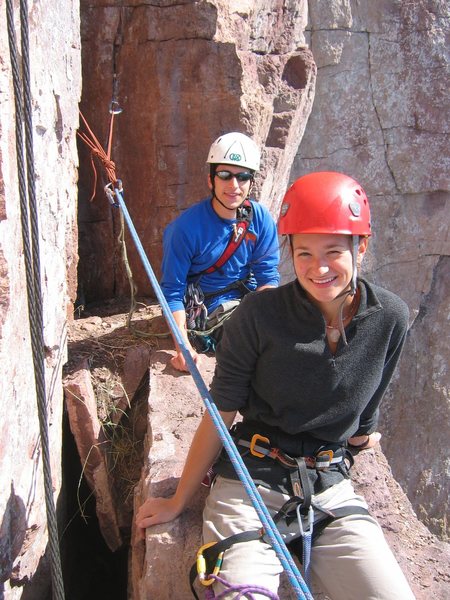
[245, 216]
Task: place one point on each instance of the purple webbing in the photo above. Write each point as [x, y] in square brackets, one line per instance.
[243, 591]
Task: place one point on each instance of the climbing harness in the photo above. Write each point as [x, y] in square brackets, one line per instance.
[203, 329]
[210, 556]
[310, 517]
[326, 456]
[30, 234]
[276, 540]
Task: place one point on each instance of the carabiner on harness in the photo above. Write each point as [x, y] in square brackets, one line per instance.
[196, 311]
[306, 535]
[310, 520]
[205, 578]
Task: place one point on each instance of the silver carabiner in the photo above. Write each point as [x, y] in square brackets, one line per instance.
[114, 108]
[110, 192]
[300, 520]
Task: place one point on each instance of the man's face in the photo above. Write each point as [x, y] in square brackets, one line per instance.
[230, 191]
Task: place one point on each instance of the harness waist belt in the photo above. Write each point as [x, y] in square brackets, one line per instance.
[323, 459]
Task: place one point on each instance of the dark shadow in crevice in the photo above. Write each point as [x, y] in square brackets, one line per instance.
[91, 571]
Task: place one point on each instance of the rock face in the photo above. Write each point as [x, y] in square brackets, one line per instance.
[55, 93]
[381, 114]
[105, 387]
[184, 73]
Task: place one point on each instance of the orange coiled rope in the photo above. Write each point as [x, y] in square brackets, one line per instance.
[97, 151]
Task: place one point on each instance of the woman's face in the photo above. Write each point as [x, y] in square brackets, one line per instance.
[323, 263]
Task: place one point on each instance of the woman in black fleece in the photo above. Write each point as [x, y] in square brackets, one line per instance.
[306, 366]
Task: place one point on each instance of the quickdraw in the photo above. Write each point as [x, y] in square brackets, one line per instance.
[196, 311]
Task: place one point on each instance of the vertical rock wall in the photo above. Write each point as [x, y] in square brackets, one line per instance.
[381, 114]
[183, 73]
[56, 82]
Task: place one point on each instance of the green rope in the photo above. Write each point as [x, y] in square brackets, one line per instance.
[133, 288]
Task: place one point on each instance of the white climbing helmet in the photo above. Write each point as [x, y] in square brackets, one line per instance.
[235, 149]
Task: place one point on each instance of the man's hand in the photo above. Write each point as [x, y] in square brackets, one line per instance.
[179, 363]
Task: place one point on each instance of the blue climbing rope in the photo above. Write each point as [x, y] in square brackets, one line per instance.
[276, 540]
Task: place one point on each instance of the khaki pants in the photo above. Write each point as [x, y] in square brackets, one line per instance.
[349, 561]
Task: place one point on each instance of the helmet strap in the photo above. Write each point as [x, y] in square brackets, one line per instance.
[224, 205]
[353, 286]
[355, 248]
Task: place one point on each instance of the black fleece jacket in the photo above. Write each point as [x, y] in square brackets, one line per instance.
[275, 367]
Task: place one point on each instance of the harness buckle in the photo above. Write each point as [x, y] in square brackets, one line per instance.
[258, 438]
[203, 577]
[323, 459]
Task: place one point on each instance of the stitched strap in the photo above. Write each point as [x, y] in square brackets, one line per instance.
[236, 239]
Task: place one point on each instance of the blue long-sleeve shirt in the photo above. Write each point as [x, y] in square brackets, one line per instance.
[196, 239]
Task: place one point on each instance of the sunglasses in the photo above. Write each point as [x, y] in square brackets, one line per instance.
[240, 177]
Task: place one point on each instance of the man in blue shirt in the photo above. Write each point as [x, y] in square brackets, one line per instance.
[219, 249]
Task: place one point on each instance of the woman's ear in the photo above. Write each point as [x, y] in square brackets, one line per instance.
[362, 248]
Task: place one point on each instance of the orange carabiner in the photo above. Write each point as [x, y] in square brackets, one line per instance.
[258, 438]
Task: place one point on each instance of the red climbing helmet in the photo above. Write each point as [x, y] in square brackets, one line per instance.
[325, 202]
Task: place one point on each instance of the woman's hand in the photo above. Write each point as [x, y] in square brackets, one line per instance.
[362, 442]
[155, 511]
[204, 449]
